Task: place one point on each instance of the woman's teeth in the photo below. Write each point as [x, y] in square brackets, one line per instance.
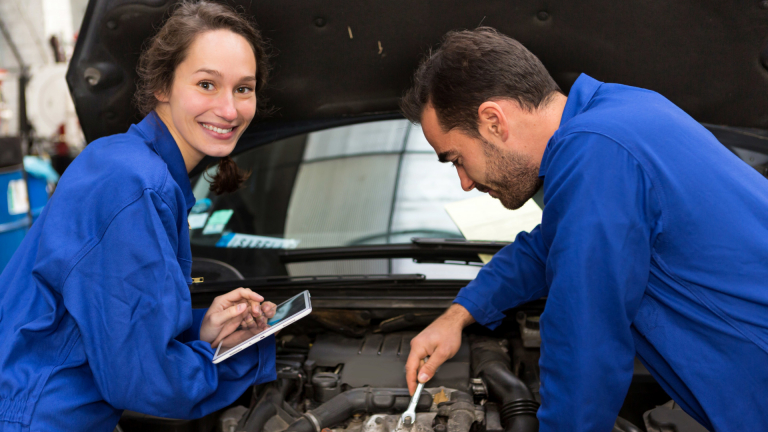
[217, 130]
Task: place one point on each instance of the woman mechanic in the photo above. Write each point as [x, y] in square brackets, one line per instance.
[95, 310]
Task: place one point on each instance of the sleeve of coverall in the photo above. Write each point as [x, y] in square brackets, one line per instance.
[514, 276]
[599, 224]
[130, 301]
[193, 332]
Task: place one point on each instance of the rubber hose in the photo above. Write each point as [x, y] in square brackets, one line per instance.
[361, 400]
[518, 406]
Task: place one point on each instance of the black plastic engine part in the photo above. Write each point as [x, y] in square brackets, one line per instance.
[268, 405]
[326, 386]
[362, 400]
[378, 360]
[518, 407]
[406, 321]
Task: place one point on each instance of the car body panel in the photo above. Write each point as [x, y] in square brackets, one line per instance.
[334, 59]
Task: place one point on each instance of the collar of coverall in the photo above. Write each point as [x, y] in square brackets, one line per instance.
[155, 132]
[581, 94]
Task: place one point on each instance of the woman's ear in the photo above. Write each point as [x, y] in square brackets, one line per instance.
[161, 96]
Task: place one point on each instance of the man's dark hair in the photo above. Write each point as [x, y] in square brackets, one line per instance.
[471, 67]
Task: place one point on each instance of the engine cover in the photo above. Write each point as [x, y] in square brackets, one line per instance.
[378, 360]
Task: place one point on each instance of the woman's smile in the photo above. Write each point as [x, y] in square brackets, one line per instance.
[219, 133]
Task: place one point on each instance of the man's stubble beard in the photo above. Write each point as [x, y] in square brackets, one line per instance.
[514, 176]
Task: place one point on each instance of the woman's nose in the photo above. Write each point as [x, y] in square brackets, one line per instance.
[226, 107]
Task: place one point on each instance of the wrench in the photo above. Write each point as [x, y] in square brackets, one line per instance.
[409, 416]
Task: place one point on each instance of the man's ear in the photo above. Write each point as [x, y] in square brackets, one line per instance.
[493, 121]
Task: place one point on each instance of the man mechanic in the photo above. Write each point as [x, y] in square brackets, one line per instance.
[653, 241]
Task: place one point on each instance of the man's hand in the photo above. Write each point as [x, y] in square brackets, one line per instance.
[229, 311]
[440, 341]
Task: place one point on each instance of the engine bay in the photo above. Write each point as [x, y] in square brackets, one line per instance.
[346, 384]
[344, 371]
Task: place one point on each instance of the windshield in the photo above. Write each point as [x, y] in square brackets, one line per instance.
[369, 183]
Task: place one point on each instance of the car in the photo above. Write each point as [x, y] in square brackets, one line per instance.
[345, 198]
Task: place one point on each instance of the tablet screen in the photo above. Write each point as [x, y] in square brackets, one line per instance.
[288, 308]
[287, 312]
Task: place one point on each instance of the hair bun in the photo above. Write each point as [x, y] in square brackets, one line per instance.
[229, 177]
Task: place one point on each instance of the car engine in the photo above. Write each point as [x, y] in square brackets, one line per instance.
[344, 371]
[347, 384]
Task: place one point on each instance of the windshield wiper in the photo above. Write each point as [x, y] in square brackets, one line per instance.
[316, 282]
[355, 291]
[422, 250]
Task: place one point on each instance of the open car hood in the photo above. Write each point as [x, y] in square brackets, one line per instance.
[335, 59]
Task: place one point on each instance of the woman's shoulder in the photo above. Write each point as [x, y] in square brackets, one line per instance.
[110, 175]
[122, 161]
[113, 170]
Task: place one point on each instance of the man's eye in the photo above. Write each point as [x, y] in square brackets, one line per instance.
[455, 163]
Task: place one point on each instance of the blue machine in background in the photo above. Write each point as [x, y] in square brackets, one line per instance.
[40, 176]
[26, 194]
[15, 220]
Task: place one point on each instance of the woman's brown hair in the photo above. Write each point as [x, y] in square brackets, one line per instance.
[168, 48]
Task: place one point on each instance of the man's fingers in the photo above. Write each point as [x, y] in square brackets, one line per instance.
[412, 366]
[430, 367]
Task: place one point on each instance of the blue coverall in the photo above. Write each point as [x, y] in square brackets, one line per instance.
[653, 243]
[95, 309]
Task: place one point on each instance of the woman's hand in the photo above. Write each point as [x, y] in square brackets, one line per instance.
[258, 323]
[249, 326]
[229, 311]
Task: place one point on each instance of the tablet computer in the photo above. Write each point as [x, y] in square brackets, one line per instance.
[287, 312]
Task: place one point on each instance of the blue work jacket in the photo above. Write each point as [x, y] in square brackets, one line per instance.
[653, 243]
[95, 309]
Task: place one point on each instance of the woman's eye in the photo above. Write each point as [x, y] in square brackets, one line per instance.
[244, 90]
[455, 163]
[206, 85]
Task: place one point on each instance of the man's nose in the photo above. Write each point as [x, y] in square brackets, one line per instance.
[225, 107]
[466, 183]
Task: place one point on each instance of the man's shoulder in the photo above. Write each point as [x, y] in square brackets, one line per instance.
[639, 120]
[616, 110]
